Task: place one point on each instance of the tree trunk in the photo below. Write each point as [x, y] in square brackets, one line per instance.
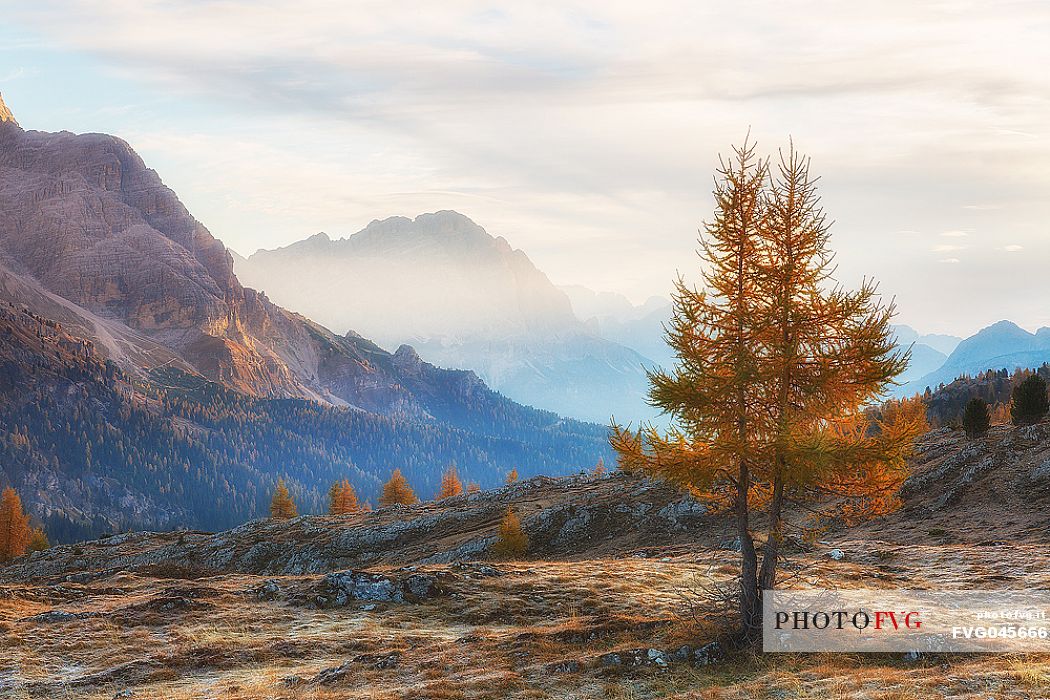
[767, 578]
[750, 603]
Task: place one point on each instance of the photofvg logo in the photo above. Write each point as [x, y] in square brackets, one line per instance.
[906, 620]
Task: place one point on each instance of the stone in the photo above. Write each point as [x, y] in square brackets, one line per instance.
[836, 554]
[1041, 473]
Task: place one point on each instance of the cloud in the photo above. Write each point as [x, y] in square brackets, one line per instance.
[583, 131]
[1013, 248]
[950, 261]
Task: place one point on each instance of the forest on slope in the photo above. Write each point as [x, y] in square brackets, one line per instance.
[96, 450]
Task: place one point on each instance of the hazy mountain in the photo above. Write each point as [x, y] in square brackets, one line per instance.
[144, 384]
[462, 298]
[613, 317]
[1003, 345]
[943, 344]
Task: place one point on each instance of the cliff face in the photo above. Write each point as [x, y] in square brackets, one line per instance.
[87, 228]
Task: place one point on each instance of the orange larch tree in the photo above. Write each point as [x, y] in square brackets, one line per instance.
[397, 491]
[342, 499]
[776, 366]
[282, 507]
[14, 526]
[450, 483]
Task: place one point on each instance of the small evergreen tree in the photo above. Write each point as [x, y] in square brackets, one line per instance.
[512, 476]
[282, 507]
[976, 417]
[397, 491]
[1030, 401]
[450, 483]
[512, 542]
[473, 487]
[14, 526]
[599, 468]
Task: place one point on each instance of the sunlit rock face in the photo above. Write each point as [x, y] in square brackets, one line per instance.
[5, 113]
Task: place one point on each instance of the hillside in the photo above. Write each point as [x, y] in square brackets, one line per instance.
[396, 604]
[462, 298]
[93, 449]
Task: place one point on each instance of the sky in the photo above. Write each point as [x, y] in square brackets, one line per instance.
[586, 133]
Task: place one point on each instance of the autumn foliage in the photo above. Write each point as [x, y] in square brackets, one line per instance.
[512, 476]
[777, 369]
[342, 499]
[397, 491]
[450, 483]
[282, 507]
[512, 542]
[15, 532]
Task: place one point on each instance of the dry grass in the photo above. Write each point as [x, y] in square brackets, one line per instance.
[493, 637]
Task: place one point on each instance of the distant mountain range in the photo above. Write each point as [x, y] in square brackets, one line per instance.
[123, 311]
[465, 298]
[1003, 345]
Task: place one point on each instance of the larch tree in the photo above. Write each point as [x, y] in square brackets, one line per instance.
[473, 487]
[512, 476]
[450, 483]
[511, 540]
[342, 499]
[775, 367]
[282, 507]
[14, 526]
[397, 491]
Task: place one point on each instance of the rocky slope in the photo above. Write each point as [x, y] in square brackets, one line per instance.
[566, 517]
[462, 298]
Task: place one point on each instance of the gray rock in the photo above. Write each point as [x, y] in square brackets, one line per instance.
[1041, 473]
[708, 654]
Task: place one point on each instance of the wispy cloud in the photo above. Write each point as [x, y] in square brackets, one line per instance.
[584, 131]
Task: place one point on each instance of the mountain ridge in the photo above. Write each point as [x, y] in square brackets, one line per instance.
[462, 297]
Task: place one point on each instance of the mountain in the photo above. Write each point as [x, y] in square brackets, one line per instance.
[462, 298]
[613, 317]
[1003, 345]
[942, 343]
[145, 385]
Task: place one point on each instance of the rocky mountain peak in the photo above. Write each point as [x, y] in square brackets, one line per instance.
[5, 113]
